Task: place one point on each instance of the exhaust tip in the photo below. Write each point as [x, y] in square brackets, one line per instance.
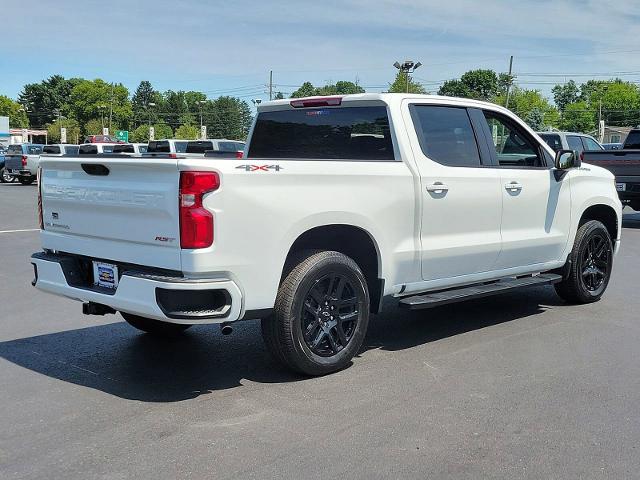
[226, 329]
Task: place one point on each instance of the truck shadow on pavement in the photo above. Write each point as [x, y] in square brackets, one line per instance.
[630, 219]
[120, 361]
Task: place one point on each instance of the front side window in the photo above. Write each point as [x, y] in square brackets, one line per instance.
[575, 143]
[590, 144]
[513, 146]
[553, 140]
[344, 133]
[446, 135]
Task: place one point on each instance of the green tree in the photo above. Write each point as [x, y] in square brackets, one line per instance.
[535, 119]
[579, 117]
[161, 130]
[227, 117]
[95, 99]
[46, 99]
[400, 84]
[187, 132]
[565, 94]
[73, 130]
[479, 84]
[143, 95]
[93, 126]
[305, 90]
[522, 102]
[140, 134]
[17, 116]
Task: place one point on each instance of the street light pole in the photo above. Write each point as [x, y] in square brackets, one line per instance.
[407, 67]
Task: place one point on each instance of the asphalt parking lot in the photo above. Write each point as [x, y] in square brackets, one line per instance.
[517, 386]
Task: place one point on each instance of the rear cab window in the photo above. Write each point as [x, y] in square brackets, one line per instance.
[88, 150]
[51, 149]
[161, 146]
[230, 146]
[181, 147]
[14, 149]
[198, 146]
[123, 149]
[324, 133]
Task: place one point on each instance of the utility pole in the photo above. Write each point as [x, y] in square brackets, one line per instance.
[111, 107]
[270, 84]
[506, 103]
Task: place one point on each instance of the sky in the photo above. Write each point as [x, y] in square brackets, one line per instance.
[228, 48]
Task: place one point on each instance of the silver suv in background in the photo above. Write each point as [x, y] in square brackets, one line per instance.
[579, 142]
[167, 146]
[132, 149]
[22, 160]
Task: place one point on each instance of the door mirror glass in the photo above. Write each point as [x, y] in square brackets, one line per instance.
[566, 159]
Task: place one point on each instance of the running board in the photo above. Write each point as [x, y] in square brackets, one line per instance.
[443, 297]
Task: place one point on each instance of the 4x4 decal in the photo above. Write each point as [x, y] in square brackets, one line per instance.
[263, 168]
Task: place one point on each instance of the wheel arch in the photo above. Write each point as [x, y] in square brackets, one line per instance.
[353, 241]
[605, 214]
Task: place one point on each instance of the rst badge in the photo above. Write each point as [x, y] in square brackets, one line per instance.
[260, 168]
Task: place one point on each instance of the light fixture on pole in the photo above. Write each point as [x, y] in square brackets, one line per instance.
[407, 67]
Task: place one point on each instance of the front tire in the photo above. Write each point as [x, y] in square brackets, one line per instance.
[154, 327]
[27, 180]
[321, 314]
[591, 261]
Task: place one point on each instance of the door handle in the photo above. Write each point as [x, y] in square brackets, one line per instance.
[513, 186]
[437, 187]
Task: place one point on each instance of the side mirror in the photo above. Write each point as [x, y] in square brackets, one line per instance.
[566, 159]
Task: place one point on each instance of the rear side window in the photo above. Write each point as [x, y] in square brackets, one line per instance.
[199, 147]
[346, 133]
[159, 147]
[181, 147]
[633, 140]
[552, 140]
[574, 143]
[88, 150]
[142, 148]
[107, 149]
[123, 149]
[71, 150]
[446, 135]
[51, 149]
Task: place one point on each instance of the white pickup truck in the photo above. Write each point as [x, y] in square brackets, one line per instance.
[339, 202]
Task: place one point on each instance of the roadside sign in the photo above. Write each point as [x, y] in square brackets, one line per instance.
[203, 132]
[63, 135]
[105, 131]
[152, 133]
[122, 135]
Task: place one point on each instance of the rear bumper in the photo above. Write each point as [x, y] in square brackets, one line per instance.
[20, 173]
[169, 299]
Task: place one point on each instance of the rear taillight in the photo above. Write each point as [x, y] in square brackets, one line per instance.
[196, 222]
[39, 182]
[24, 160]
[173, 155]
[240, 154]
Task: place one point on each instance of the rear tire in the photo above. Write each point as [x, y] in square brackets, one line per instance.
[4, 176]
[154, 327]
[321, 314]
[591, 261]
[27, 180]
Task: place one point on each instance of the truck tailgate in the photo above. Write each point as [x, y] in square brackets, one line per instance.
[119, 209]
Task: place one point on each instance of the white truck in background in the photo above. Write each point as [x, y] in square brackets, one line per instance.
[339, 202]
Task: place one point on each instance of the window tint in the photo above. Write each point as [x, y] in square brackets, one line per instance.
[553, 140]
[71, 150]
[199, 146]
[575, 143]
[88, 149]
[142, 148]
[159, 147]
[346, 133]
[51, 149]
[107, 149]
[446, 135]
[34, 149]
[181, 147]
[14, 149]
[512, 144]
[590, 144]
[633, 140]
[123, 148]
